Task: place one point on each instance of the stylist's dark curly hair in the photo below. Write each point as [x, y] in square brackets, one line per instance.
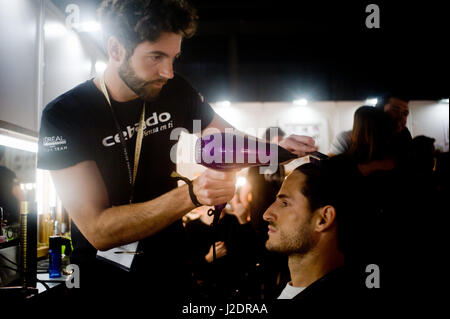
[135, 21]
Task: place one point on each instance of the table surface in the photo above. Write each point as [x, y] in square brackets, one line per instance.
[53, 281]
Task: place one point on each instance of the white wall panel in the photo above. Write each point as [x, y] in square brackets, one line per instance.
[18, 65]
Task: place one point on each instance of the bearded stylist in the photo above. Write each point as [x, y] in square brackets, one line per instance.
[107, 144]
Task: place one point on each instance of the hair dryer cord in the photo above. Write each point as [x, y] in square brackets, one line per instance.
[216, 211]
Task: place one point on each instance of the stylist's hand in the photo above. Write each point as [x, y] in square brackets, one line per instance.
[215, 187]
[221, 250]
[299, 144]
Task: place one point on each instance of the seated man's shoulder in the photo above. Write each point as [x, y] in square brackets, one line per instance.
[333, 286]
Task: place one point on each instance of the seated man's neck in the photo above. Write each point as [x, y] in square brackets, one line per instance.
[307, 268]
[117, 89]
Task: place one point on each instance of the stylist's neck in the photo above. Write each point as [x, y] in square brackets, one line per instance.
[117, 89]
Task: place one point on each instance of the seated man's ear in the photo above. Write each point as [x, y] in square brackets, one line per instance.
[325, 218]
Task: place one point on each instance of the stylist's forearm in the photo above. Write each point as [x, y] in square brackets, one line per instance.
[128, 223]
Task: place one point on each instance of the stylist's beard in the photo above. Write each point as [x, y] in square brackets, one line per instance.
[142, 88]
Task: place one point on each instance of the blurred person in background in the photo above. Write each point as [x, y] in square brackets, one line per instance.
[225, 277]
[371, 146]
[423, 154]
[396, 107]
[372, 161]
[10, 192]
[396, 204]
[341, 143]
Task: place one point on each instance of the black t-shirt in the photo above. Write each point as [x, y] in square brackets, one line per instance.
[8, 202]
[78, 126]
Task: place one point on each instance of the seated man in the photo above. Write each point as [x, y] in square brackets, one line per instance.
[306, 223]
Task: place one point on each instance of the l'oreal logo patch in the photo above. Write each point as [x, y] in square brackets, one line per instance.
[50, 141]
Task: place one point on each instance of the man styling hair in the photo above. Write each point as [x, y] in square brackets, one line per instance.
[108, 142]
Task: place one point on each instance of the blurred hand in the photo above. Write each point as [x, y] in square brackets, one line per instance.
[221, 250]
[239, 210]
[215, 187]
[244, 194]
[299, 144]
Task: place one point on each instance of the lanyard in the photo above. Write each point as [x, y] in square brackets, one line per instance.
[137, 153]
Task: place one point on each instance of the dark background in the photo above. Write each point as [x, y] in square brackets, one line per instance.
[281, 50]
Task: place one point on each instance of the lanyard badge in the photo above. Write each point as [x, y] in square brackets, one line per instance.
[140, 133]
[123, 256]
